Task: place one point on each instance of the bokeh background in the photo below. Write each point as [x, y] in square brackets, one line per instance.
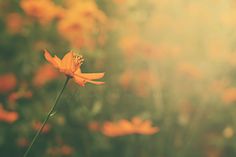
[170, 73]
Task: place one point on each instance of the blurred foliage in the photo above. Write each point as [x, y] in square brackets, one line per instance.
[169, 64]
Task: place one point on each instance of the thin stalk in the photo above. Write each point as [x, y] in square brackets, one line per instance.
[47, 118]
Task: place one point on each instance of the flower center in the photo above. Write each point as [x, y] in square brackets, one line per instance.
[78, 60]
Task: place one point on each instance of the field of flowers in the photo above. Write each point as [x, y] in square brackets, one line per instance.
[142, 78]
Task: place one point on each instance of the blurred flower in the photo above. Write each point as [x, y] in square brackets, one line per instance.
[37, 45]
[217, 86]
[143, 127]
[60, 150]
[6, 116]
[211, 139]
[13, 97]
[217, 49]
[129, 45]
[228, 132]
[66, 150]
[145, 81]
[82, 21]
[124, 127]
[94, 126]
[70, 66]
[126, 78]
[211, 151]
[229, 95]
[53, 151]
[14, 23]
[141, 82]
[22, 142]
[43, 10]
[37, 125]
[190, 70]
[8, 82]
[49, 73]
[133, 45]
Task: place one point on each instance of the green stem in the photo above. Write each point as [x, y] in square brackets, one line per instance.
[47, 118]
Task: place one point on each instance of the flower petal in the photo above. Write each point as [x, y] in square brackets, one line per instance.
[95, 82]
[91, 76]
[67, 63]
[81, 81]
[55, 61]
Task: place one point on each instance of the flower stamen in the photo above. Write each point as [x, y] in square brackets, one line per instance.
[78, 60]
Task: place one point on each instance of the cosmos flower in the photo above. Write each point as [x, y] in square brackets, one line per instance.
[229, 95]
[43, 10]
[83, 24]
[15, 96]
[124, 127]
[7, 116]
[14, 23]
[64, 150]
[70, 66]
[8, 82]
[49, 73]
